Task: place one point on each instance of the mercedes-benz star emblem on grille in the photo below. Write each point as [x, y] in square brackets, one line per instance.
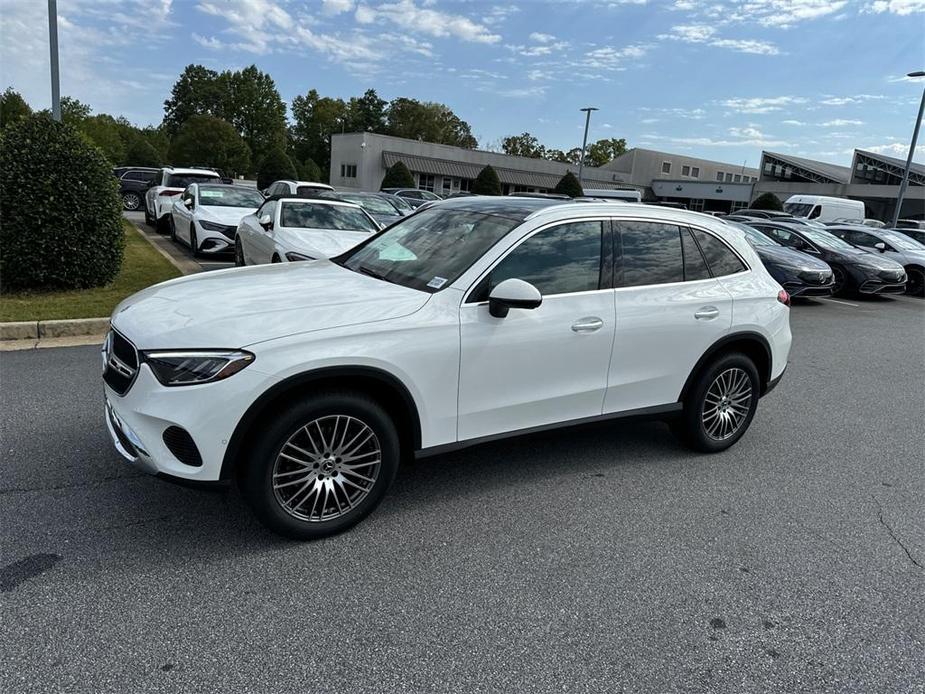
[120, 366]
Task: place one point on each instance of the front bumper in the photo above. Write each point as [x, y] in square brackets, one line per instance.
[801, 289]
[880, 287]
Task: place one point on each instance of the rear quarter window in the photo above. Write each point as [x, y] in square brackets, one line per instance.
[719, 256]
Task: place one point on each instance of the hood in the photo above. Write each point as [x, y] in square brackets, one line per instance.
[875, 259]
[781, 255]
[230, 216]
[240, 306]
[319, 243]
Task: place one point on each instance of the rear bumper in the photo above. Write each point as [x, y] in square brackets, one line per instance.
[773, 383]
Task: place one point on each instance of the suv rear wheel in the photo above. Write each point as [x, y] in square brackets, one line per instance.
[131, 201]
[322, 466]
[720, 405]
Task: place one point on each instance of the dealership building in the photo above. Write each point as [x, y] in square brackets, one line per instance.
[360, 160]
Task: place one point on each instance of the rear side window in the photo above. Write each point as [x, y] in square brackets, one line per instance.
[720, 258]
[558, 260]
[695, 267]
[651, 253]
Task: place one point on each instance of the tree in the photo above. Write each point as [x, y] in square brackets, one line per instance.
[106, 133]
[604, 151]
[366, 113]
[198, 91]
[61, 212]
[310, 171]
[12, 107]
[73, 112]
[487, 182]
[254, 107]
[211, 141]
[398, 176]
[569, 185]
[523, 145]
[573, 156]
[316, 118]
[767, 201]
[140, 152]
[276, 166]
[428, 121]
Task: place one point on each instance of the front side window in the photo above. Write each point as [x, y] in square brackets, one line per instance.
[720, 258]
[559, 260]
[268, 209]
[651, 253]
[371, 203]
[428, 250]
[824, 238]
[309, 215]
[229, 196]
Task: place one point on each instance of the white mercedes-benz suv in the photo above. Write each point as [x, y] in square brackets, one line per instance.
[479, 318]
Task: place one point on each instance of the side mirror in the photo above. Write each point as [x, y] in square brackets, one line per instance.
[266, 222]
[513, 293]
[880, 247]
[189, 203]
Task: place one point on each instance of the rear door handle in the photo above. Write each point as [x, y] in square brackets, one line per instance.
[707, 313]
[587, 325]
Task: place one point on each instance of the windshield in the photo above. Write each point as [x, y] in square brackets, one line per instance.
[798, 209]
[430, 249]
[753, 236]
[229, 196]
[184, 180]
[400, 205]
[371, 204]
[310, 215]
[824, 238]
[902, 241]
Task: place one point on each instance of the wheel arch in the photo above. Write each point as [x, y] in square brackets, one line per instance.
[381, 385]
[753, 345]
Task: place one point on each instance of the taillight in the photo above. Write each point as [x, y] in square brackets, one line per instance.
[168, 193]
[783, 297]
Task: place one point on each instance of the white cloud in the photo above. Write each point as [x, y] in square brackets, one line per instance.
[711, 142]
[846, 100]
[840, 123]
[542, 38]
[690, 33]
[707, 34]
[781, 14]
[900, 7]
[793, 122]
[761, 104]
[610, 58]
[333, 7]
[895, 149]
[747, 46]
[749, 132]
[407, 15]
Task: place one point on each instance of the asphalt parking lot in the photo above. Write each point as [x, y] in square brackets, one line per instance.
[177, 250]
[603, 559]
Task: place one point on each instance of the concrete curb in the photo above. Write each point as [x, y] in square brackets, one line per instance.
[52, 329]
[161, 244]
[79, 341]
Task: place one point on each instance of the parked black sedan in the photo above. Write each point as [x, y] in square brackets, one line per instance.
[800, 274]
[856, 271]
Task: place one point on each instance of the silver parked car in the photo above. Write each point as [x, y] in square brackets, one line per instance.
[893, 245]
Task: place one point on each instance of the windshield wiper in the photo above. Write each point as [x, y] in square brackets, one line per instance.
[372, 273]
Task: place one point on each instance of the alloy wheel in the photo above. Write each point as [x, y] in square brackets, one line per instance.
[726, 404]
[131, 201]
[839, 278]
[326, 468]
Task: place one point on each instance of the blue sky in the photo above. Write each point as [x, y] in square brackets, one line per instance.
[722, 79]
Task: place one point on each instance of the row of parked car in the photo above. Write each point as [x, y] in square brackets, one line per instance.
[300, 220]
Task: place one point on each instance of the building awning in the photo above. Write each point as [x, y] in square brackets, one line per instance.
[514, 177]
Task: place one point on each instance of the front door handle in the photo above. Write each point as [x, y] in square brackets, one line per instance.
[587, 325]
[707, 313]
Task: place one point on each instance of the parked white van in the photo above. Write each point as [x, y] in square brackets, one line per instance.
[618, 194]
[823, 208]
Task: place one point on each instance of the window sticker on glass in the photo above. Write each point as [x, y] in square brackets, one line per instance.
[211, 194]
[396, 253]
[437, 282]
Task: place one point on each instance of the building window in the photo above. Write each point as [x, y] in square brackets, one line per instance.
[695, 205]
[695, 171]
[737, 205]
[348, 170]
[728, 178]
[719, 176]
[737, 178]
[465, 184]
[426, 182]
[768, 168]
[449, 184]
[685, 170]
[666, 167]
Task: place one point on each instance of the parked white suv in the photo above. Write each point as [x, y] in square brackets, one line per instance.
[479, 318]
[159, 198]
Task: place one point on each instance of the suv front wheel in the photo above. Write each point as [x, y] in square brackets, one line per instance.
[322, 466]
[720, 404]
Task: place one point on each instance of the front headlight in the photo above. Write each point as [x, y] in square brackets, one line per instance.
[293, 256]
[212, 226]
[185, 368]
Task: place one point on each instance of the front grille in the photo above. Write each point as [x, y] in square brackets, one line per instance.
[181, 444]
[121, 363]
[230, 232]
[891, 275]
[816, 277]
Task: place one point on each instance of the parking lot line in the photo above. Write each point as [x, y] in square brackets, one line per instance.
[836, 301]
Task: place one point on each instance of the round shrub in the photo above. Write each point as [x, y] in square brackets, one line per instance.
[60, 213]
[276, 166]
[569, 185]
[487, 182]
[767, 201]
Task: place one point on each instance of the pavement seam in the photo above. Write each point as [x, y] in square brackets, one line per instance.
[891, 533]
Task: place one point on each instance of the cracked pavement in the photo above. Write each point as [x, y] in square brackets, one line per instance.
[602, 559]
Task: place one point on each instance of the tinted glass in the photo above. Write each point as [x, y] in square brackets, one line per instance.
[651, 253]
[267, 209]
[320, 216]
[720, 258]
[824, 238]
[902, 241]
[307, 191]
[370, 203]
[229, 196]
[429, 250]
[798, 209]
[695, 267]
[183, 180]
[558, 260]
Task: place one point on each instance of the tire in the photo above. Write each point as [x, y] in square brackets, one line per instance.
[709, 423]
[131, 201]
[173, 229]
[161, 225]
[239, 254]
[193, 241]
[149, 220]
[275, 259]
[840, 288]
[915, 285]
[282, 451]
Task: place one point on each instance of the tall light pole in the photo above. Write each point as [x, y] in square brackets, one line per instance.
[915, 137]
[53, 47]
[584, 142]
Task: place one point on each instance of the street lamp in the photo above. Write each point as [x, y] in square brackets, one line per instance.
[53, 48]
[584, 142]
[915, 137]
